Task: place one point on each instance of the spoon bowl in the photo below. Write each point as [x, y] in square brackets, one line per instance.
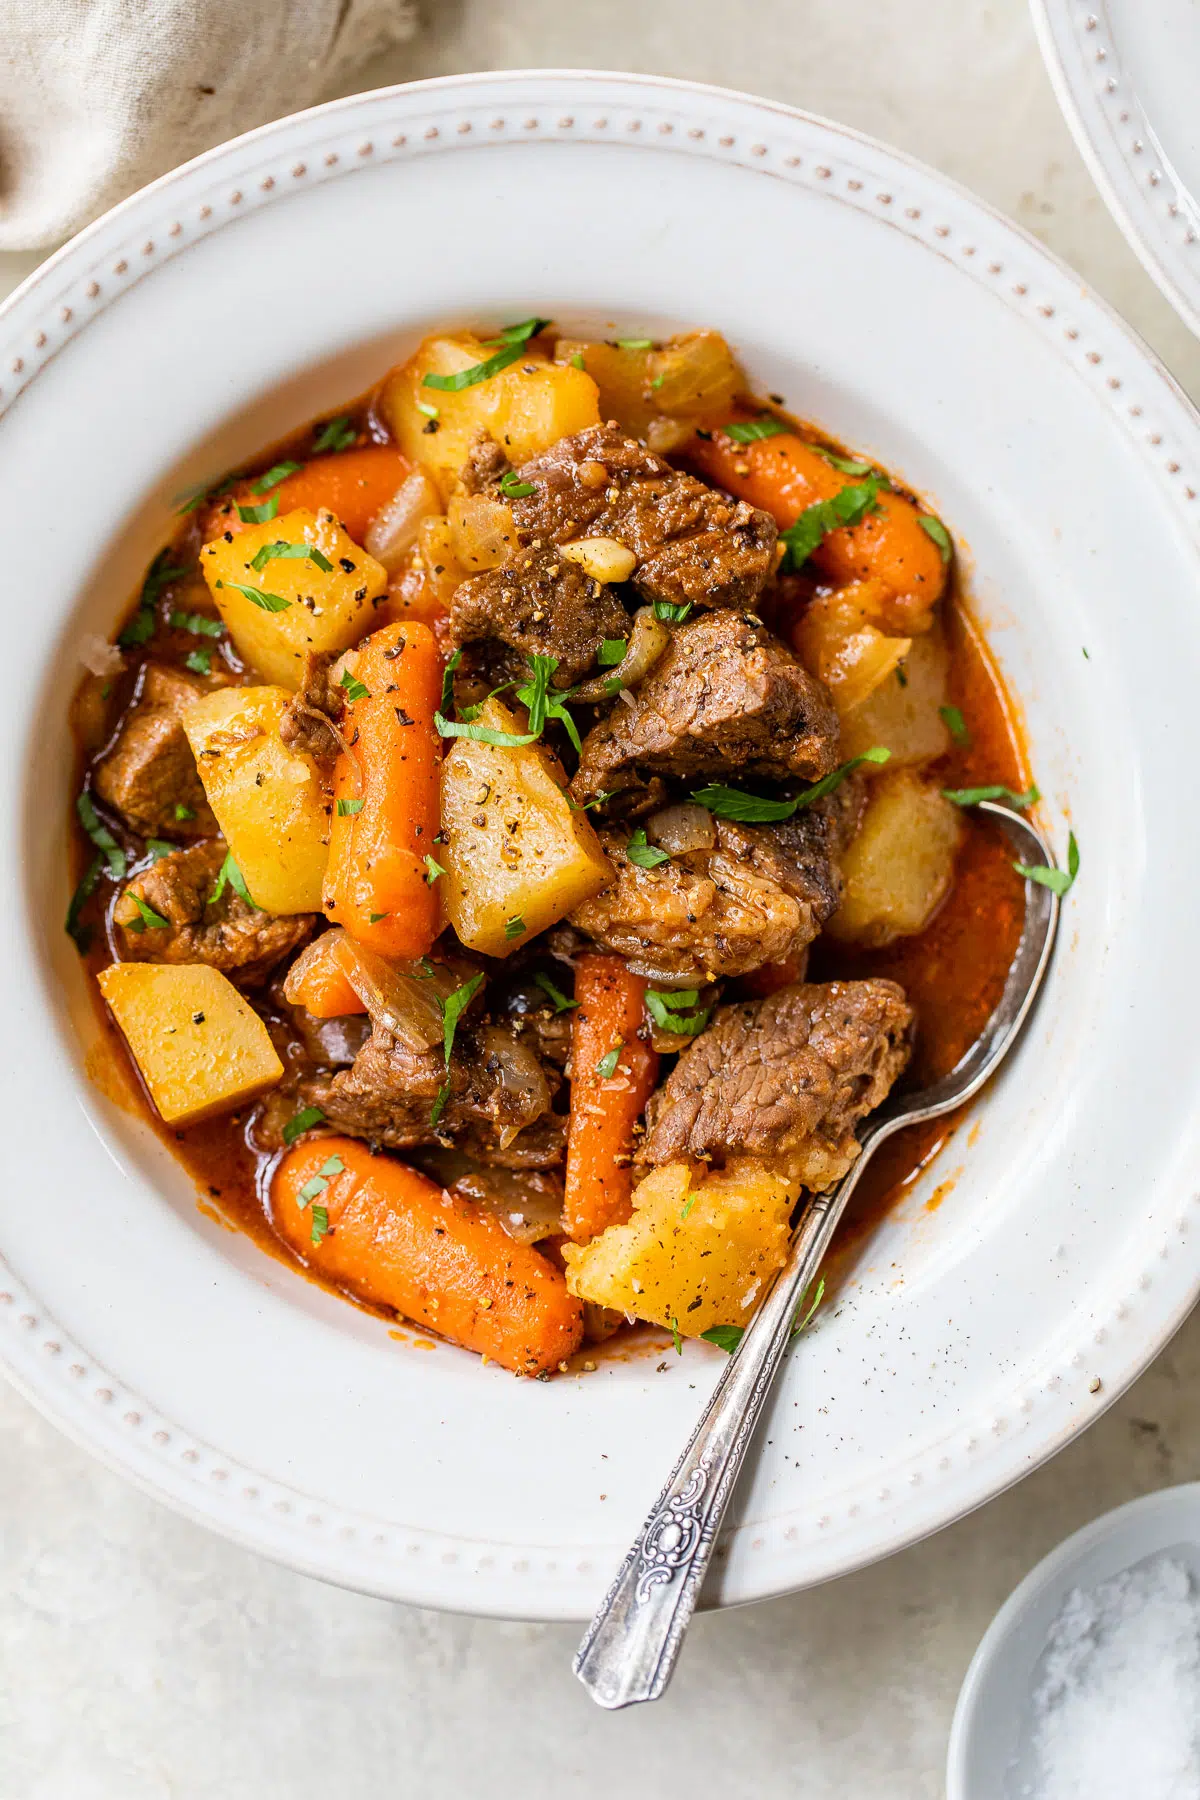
[630, 1648]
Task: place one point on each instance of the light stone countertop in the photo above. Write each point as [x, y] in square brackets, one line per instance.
[143, 1659]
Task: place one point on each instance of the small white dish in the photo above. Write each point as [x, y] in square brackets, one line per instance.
[1125, 74]
[990, 1755]
[270, 280]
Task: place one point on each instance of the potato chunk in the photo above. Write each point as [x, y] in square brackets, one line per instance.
[267, 797]
[526, 407]
[200, 1047]
[302, 603]
[902, 712]
[899, 868]
[517, 857]
[839, 641]
[708, 1268]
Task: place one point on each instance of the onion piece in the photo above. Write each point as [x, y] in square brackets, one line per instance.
[648, 638]
[524, 1093]
[527, 1202]
[393, 531]
[404, 997]
[678, 829]
[482, 530]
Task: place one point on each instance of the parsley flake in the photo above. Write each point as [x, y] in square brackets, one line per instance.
[282, 551]
[544, 702]
[518, 334]
[159, 847]
[229, 875]
[81, 934]
[635, 343]
[514, 928]
[1059, 881]
[937, 531]
[670, 614]
[753, 430]
[678, 1341]
[182, 811]
[955, 724]
[199, 624]
[972, 796]
[847, 507]
[259, 515]
[272, 603]
[555, 995]
[516, 489]
[338, 434]
[148, 917]
[453, 1007]
[611, 652]
[439, 1105]
[346, 809]
[301, 1122]
[725, 1337]
[432, 871]
[735, 803]
[101, 836]
[199, 661]
[320, 1223]
[845, 465]
[354, 690]
[668, 1010]
[480, 371]
[606, 1068]
[576, 359]
[643, 854]
[275, 474]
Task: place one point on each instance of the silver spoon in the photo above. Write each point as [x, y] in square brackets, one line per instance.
[628, 1653]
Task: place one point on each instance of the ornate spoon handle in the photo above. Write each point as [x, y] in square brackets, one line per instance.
[629, 1651]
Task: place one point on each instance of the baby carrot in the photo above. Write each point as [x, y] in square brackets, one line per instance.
[353, 484]
[318, 982]
[784, 475]
[386, 808]
[394, 1238]
[612, 1076]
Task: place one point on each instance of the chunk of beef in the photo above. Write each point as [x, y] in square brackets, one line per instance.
[149, 776]
[312, 714]
[760, 895]
[226, 933]
[725, 698]
[786, 1079]
[530, 1013]
[497, 1109]
[694, 545]
[540, 604]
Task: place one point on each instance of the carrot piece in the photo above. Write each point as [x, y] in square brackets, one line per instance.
[784, 475]
[386, 809]
[394, 1238]
[608, 1095]
[353, 484]
[318, 982]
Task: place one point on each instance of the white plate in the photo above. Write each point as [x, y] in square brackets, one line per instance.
[277, 275]
[1125, 73]
[991, 1754]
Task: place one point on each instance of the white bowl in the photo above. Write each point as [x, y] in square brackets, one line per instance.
[272, 278]
[991, 1737]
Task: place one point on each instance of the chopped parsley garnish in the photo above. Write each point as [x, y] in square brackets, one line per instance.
[670, 614]
[725, 1337]
[159, 847]
[845, 465]
[678, 1341]
[81, 934]
[199, 661]
[955, 724]
[272, 603]
[657, 382]
[199, 624]
[518, 334]
[611, 652]
[282, 551]
[544, 702]
[346, 809]
[229, 875]
[606, 1068]
[754, 429]
[431, 412]
[259, 515]
[937, 531]
[101, 836]
[635, 343]
[448, 681]
[754, 809]
[432, 871]
[480, 371]
[901, 674]
[320, 1223]
[555, 995]
[354, 690]
[1059, 881]
[182, 811]
[576, 359]
[374, 918]
[482, 734]
[148, 917]
[338, 434]
[160, 574]
[688, 1204]
[643, 854]
[274, 475]
[668, 1010]
[846, 507]
[439, 1105]
[514, 928]
[194, 497]
[316, 1184]
[972, 796]
[798, 1323]
[301, 1122]
[516, 489]
[453, 1007]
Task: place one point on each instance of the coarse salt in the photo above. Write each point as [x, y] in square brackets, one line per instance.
[1117, 1704]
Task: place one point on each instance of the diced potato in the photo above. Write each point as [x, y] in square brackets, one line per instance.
[838, 642]
[660, 394]
[515, 851]
[899, 868]
[710, 1268]
[526, 407]
[326, 608]
[267, 797]
[201, 1048]
[902, 712]
[482, 531]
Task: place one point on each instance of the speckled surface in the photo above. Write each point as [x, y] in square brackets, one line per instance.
[141, 1658]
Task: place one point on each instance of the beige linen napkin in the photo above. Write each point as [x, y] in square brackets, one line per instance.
[97, 97]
